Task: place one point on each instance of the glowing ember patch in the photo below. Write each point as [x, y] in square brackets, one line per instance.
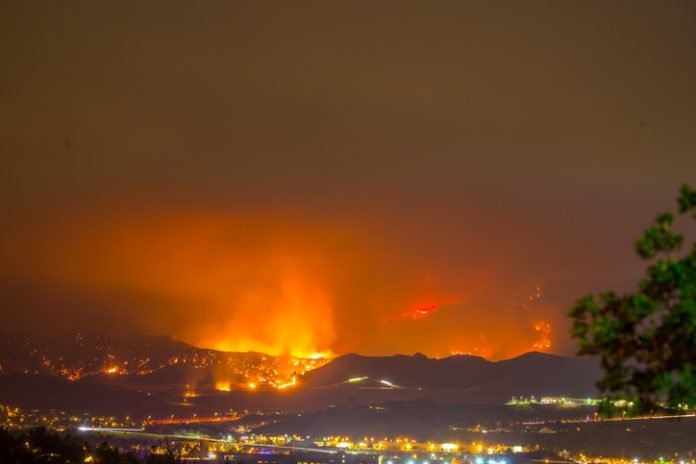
[475, 351]
[111, 370]
[543, 330]
[420, 311]
[288, 384]
[223, 386]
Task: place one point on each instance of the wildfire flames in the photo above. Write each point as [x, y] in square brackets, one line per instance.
[420, 311]
[543, 330]
[259, 283]
[223, 386]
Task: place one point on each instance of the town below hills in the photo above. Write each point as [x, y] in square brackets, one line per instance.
[165, 387]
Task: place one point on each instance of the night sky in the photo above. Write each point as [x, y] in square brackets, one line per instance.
[301, 177]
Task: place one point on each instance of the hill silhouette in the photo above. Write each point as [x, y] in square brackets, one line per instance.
[155, 373]
[532, 373]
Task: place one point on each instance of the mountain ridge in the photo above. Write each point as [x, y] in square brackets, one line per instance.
[182, 377]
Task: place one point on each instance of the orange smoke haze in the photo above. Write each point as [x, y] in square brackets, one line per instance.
[248, 177]
[234, 284]
[270, 284]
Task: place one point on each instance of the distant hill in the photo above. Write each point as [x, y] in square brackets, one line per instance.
[530, 374]
[81, 355]
[165, 376]
[52, 392]
[160, 359]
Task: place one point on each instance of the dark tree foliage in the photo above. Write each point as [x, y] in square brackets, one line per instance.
[167, 458]
[40, 445]
[646, 340]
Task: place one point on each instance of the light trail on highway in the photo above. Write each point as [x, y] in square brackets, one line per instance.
[141, 432]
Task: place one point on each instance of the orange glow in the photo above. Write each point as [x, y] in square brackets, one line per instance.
[252, 385]
[420, 311]
[543, 330]
[292, 383]
[263, 283]
[223, 386]
[111, 370]
[262, 286]
[474, 351]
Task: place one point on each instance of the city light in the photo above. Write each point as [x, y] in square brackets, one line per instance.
[403, 450]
